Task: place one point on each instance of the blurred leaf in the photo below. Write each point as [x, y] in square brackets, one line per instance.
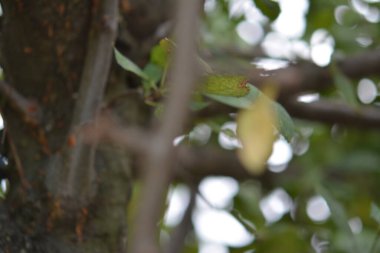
[340, 218]
[160, 53]
[247, 224]
[269, 8]
[128, 65]
[320, 15]
[255, 130]
[238, 102]
[225, 85]
[360, 161]
[375, 213]
[285, 124]
[345, 87]
[154, 73]
[284, 238]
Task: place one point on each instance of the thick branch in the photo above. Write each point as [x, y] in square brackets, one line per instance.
[334, 112]
[361, 65]
[77, 182]
[302, 76]
[28, 109]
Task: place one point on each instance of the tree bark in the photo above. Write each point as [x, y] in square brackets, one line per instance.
[43, 51]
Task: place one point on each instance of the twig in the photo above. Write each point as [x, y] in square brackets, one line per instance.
[78, 180]
[159, 161]
[20, 169]
[105, 129]
[179, 234]
[29, 109]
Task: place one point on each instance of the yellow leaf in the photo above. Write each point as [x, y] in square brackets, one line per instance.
[256, 131]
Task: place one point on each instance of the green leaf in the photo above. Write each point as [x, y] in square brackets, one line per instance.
[247, 224]
[154, 73]
[198, 105]
[285, 124]
[238, 102]
[339, 216]
[128, 65]
[375, 213]
[345, 87]
[320, 15]
[226, 85]
[160, 53]
[269, 8]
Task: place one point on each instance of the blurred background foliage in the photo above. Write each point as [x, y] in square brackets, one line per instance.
[323, 196]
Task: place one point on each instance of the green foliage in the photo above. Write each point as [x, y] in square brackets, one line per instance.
[345, 87]
[269, 8]
[232, 90]
[375, 213]
[285, 123]
[339, 163]
[128, 65]
[225, 85]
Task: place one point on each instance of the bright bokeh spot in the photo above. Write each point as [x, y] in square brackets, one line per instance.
[250, 32]
[178, 198]
[4, 185]
[281, 155]
[364, 40]
[291, 21]
[322, 47]
[317, 209]
[340, 12]
[200, 134]
[308, 98]
[227, 141]
[1, 122]
[209, 5]
[356, 225]
[270, 64]
[321, 54]
[300, 145]
[320, 246]
[219, 191]
[276, 45]
[178, 140]
[276, 205]
[372, 14]
[212, 248]
[220, 227]
[367, 91]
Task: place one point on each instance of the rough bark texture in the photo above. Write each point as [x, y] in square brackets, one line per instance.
[43, 49]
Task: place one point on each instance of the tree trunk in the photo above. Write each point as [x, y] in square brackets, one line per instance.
[43, 52]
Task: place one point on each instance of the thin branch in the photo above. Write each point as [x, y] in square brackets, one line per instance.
[323, 111]
[105, 129]
[77, 183]
[20, 169]
[334, 112]
[178, 236]
[159, 161]
[29, 109]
